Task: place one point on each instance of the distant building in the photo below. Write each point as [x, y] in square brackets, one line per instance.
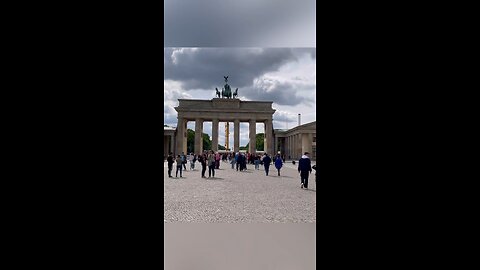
[168, 140]
[296, 141]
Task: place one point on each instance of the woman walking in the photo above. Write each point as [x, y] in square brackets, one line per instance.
[278, 163]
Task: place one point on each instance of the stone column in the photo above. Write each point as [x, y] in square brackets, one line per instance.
[180, 136]
[299, 145]
[184, 150]
[252, 135]
[307, 143]
[198, 136]
[288, 151]
[276, 144]
[236, 135]
[215, 135]
[295, 142]
[269, 136]
[172, 144]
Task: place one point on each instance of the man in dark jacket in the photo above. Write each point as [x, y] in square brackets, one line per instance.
[266, 162]
[170, 162]
[304, 168]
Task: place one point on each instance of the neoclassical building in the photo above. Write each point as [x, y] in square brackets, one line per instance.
[296, 141]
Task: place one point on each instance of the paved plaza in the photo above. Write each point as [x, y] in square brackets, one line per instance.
[239, 197]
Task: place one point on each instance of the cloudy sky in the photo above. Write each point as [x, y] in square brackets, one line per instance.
[286, 76]
[234, 23]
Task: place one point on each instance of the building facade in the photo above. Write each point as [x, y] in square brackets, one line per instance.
[294, 142]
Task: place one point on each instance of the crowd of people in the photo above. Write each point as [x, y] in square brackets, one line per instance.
[239, 162]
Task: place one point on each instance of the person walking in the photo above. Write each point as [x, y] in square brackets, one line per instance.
[179, 165]
[192, 161]
[232, 161]
[257, 162]
[244, 162]
[202, 158]
[266, 163]
[237, 160]
[278, 163]
[217, 160]
[184, 161]
[304, 168]
[211, 164]
[170, 162]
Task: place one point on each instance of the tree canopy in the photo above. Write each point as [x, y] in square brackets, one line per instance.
[207, 143]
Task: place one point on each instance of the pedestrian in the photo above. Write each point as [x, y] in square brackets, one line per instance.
[232, 161]
[257, 162]
[304, 168]
[184, 161]
[202, 158]
[211, 164]
[315, 168]
[244, 162]
[237, 160]
[266, 163]
[179, 165]
[217, 160]
[192, 161]
[278, 163]
[170, 162]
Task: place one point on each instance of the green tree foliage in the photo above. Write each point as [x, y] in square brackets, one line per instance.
[259, 142]
[207, 143]
[190, 140]
[221, 147]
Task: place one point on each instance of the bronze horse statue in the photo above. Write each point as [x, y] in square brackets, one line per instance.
[218, 92]
[235, 93]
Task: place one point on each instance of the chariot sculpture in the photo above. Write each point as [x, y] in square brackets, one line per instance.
[226, 91]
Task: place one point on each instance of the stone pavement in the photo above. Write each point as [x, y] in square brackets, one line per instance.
[239, 197]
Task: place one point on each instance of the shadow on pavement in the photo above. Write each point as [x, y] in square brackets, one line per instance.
[214, 178]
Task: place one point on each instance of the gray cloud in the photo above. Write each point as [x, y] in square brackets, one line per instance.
[233, 23]
[283, 93]
[204, 68]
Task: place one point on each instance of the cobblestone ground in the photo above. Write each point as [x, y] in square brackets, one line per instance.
[239, 197]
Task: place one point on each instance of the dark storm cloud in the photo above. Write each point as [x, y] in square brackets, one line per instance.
[204, 68]
[233, 23]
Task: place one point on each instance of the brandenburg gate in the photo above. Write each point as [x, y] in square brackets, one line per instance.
[224, 110]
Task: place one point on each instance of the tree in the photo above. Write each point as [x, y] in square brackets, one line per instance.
[259, 140]
[221, 147]
[207, 143]
[190, 140]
